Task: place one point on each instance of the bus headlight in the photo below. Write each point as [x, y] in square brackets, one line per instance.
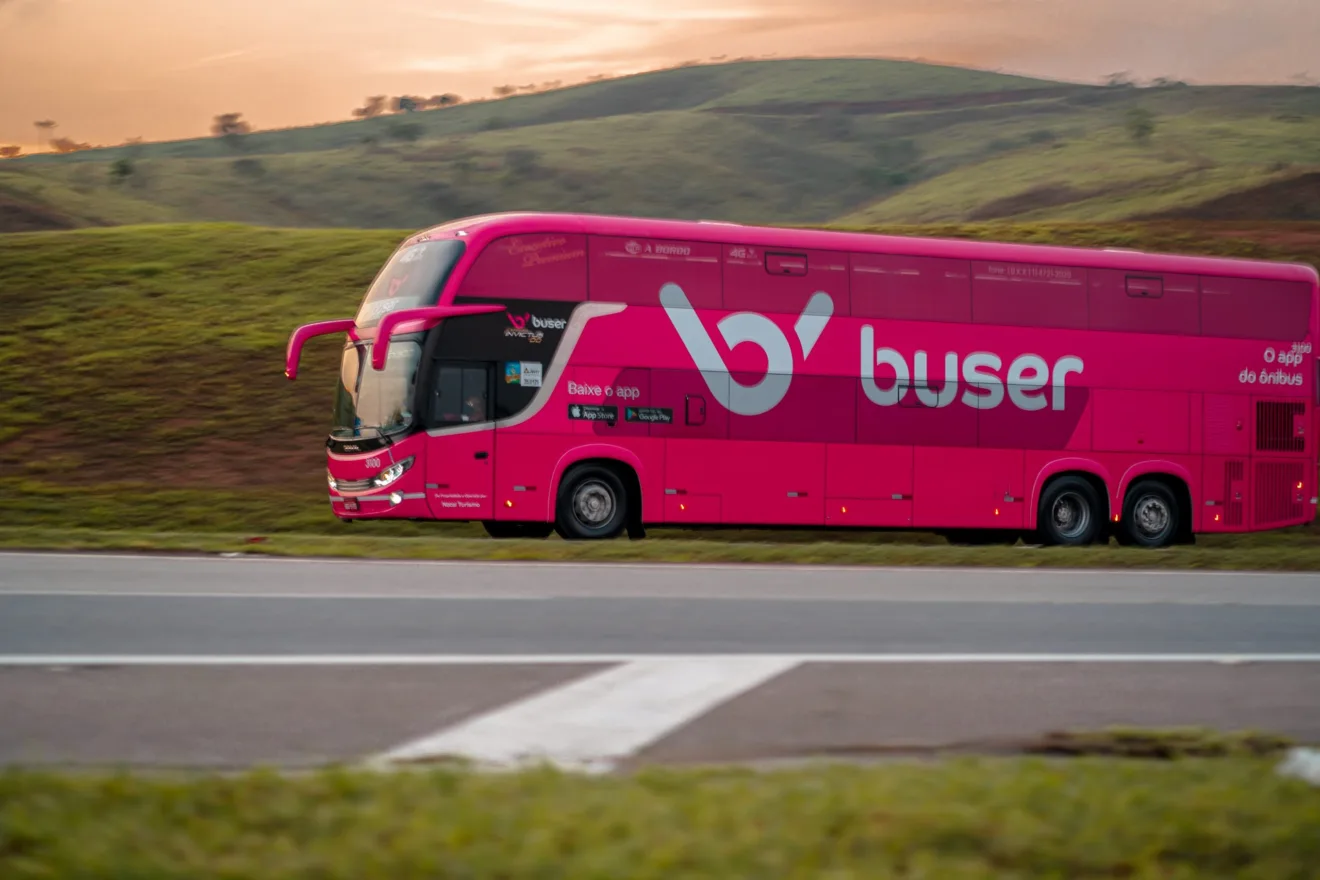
[330, 478]
[391, 473]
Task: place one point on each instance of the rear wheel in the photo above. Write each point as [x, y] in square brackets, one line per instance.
[1070, 513]
[1150, 515]
[518, 529]
[592, 504]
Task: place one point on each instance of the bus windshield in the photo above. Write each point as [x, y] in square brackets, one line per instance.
[411, 279]
[369, 403]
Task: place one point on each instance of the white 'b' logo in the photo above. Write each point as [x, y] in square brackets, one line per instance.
[740, 327]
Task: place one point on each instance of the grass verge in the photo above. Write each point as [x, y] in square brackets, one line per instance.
[967, 818]
[1266, 558]
[1160, 744]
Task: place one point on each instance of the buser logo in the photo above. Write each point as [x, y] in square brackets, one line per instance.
[520, 322]
[740, 327]
[1030, 378]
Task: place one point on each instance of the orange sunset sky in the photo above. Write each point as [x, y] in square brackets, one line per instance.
[107, 70]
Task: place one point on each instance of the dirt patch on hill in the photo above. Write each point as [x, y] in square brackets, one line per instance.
[21, 215]
[1050, 195]
[903, 105]
[1297, 199]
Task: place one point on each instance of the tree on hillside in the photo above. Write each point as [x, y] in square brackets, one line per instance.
[46, 125]
[68, 145]
[504, 91]
[121, 170]
[1140, 124]
[446, 100]
[1122, 80]
[408, 104]
[8, 152]
[231, 127]
[374, 107]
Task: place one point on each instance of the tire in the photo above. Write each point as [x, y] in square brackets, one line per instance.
[1070, 513]
[1151, 515]
[498, 529]
[592, 505]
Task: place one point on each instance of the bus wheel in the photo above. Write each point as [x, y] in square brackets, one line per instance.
[1070, 513]
[1150, 515]
[497, 529]
[593, 504]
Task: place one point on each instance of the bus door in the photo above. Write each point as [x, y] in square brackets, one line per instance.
[460, 464]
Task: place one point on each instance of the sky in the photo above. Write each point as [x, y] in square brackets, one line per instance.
[109, 70]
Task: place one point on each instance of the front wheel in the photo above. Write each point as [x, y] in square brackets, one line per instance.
[1070, 513]
[1150, 515]
[593, 504]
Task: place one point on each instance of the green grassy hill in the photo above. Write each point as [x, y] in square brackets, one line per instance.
[806, 141]
[143, 366]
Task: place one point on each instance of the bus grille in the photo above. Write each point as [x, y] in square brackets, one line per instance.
[1277, 424]
[353, 485]
[1277, 495]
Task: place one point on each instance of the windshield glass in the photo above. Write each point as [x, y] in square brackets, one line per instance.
[370, 403]
[411, 279]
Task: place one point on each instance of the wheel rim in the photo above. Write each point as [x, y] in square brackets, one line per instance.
[1071, 515]
[593, 504]
[1152, 516]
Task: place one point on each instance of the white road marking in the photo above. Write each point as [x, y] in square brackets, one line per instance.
[593, 722]
[580, 659]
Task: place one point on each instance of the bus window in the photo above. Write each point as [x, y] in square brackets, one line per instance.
[460, 394]
[1245, 308]
[1022, 295]
[1132, 302]
[633, 271]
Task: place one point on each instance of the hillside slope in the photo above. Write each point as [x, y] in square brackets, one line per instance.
[808, 141]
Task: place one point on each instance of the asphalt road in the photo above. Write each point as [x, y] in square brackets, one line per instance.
[226, 662]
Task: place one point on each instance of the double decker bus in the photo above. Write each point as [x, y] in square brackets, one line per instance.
[595, 376]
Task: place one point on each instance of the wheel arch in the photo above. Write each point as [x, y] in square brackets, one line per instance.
[1088, 469]
[626, 464]
[1179, 481]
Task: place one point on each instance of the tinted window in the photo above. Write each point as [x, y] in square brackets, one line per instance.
[1023, 295]
[460, 395]
[532, 267]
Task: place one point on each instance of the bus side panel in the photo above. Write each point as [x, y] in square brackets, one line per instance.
[524, 464]
[774, 483]
[968, 488]
[868, 485]
[1150, 422]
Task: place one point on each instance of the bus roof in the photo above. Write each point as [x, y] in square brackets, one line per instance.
[485, 227]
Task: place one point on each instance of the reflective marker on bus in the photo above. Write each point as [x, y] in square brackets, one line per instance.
[595, 376]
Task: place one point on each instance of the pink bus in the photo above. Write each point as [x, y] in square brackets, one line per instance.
[594, 376]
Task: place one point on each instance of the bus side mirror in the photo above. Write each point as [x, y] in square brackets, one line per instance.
[293, 352]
